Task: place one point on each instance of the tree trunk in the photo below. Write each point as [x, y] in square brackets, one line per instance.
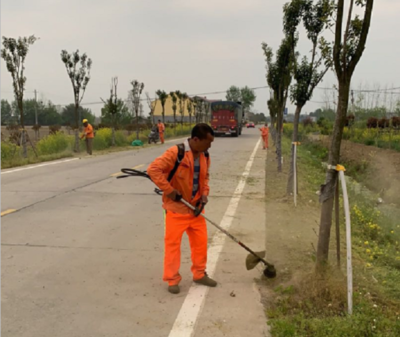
[23, 135]
[77, 147]
[279, 140]
[328, 189]
[163, 114]
[113, 136]
[24, 148]
[295, 138]
[137, 124]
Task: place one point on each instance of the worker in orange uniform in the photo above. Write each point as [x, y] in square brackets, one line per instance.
[265, 135]
[161, 129]
[88, 134]
[182, 172]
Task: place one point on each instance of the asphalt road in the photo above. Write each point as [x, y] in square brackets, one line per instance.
[82, 252]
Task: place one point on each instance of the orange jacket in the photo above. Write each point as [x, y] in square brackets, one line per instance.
[264, 131]
[161, 127]
[88, 132]
[182, 181]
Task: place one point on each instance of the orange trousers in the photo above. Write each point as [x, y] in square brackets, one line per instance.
[265, 140]
[196, 229]
[162, 137]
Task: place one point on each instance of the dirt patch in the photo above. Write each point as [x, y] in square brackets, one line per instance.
[291, 232]
[381, 167]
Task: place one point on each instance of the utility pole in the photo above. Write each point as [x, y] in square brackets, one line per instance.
[36, 117]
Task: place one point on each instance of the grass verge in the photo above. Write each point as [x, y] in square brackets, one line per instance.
[308, 305]
[60, 146]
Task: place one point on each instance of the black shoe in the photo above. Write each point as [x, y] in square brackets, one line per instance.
[206, 281]
[174, 289]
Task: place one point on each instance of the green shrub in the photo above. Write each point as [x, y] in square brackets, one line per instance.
[53, 143]
[8, 150]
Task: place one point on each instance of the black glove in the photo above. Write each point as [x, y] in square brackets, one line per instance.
[199, 208]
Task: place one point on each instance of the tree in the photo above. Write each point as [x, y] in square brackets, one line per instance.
[162, 96]
[279, 77]
[152, 107]
[49, 115]
[179, 102]
[206, 110]
[234, 94]
[244, 95]
[248, 98]
[307, 73]
[6, 112]
[183, 100]
[111, 108]
[347, 52]
[68, 114]
[191, 110]
[14, 53]
[137, 89]
[174, 99]
[78, 69]
[197, 108]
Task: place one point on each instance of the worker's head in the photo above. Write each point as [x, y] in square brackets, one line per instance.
[85, 122]
[202, 137]
[266, 124]
[159, 121]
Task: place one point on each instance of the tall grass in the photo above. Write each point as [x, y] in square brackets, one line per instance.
[60, 145]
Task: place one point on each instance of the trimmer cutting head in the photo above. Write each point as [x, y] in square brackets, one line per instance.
[253, 259]
[270, 272]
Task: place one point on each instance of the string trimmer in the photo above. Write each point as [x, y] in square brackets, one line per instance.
[252, 260]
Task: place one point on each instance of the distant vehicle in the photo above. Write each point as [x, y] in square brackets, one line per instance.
[250, 125]
[226, 118]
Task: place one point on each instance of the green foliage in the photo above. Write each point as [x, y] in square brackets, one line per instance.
[327, 114]
[6, 112]
[313, 307]
[233, 94]
[387, 138]
[248, 97]
[8, 150]
[279, 74]
[78, 69]
[244, 95]
[121, 117]
[47, 113]
[162, 96]
[68, 114]
[14, 53]
[54, 143]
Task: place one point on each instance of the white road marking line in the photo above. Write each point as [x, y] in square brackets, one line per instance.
[40, 165]
[185, 323]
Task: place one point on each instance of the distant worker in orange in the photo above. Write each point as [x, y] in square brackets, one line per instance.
[182, 172]
[265, 135]
[161, 129]
[88, 134]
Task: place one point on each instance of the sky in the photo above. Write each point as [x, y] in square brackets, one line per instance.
[195, 46]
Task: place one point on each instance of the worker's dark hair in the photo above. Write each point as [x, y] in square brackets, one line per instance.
[159, 120]
[201, 131]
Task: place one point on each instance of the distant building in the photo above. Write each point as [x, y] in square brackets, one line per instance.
[169, 113]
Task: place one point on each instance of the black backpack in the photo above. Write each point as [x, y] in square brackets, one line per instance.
[179, 158]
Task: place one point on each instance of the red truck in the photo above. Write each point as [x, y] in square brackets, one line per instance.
[226, 118]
